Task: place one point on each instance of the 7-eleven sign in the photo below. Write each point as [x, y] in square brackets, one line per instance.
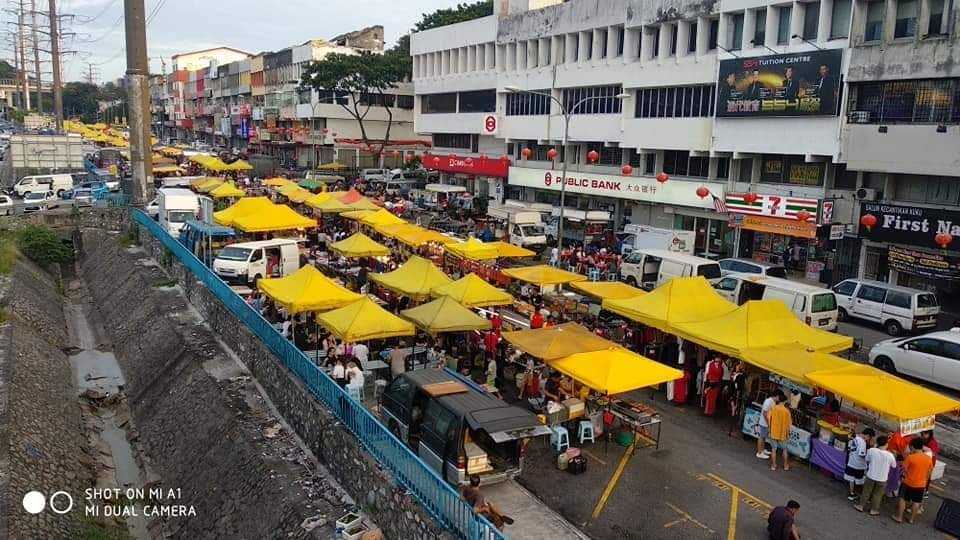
[773, 206]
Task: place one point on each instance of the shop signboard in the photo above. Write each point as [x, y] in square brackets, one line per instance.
[477, 166]
[836, 231]
[910, 225]
[773, 205]
[798, 444]
[490, 124]
[638, 188]
[923, 263]
[786, 227]
[797, 84]
[917, 425]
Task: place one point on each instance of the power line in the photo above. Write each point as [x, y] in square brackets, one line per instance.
[98, 15]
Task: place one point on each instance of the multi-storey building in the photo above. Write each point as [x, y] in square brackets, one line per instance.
[745, 98]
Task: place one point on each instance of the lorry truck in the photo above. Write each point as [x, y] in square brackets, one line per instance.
[645, 237]
[177, 205]
[41, 155]
[525, 227]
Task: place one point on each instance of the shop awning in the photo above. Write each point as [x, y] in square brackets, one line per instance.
[445, 315]
[393, 230]
[556, 342]
[364, 204]
[379, 217]
[360, 245]
[506, 250]
[678, 300]
[474, 249]
[276, 217]
[423, 236]
[614, 290]
[759, 323]
[288, 188]
[415, 278]
[792, 361]
[543, 274]
[276, 181]
[364, 320]
[472, 291]
[326, 204]
[882, 392]
[299, 195]
[615, 370]
[307, 289]
[243, 207]
[356, 215]
[228, 189]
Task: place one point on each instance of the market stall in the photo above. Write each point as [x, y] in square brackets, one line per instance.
[227, 190]
[472, 291]
[415, 278]
[275, 217]
[445, 315]
[603, 290]
[359, 245]
[307, 289]
[364, 320]
[680, 300]
[243, 207]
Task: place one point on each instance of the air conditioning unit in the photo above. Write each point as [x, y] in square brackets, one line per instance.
[866, 194]
[859, 117]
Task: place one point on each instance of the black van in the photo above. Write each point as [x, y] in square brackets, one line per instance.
[457, 428]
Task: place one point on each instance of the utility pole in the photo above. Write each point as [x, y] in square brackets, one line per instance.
[36, 55]
[23, 59]
[138, 99]
[55, 55]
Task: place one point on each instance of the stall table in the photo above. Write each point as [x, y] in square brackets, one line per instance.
[639, 417]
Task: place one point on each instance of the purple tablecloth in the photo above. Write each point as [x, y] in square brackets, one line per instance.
[834, 461]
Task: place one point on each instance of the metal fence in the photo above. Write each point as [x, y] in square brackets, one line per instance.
[440, 499]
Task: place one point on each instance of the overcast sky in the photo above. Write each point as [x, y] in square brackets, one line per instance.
[249, 25]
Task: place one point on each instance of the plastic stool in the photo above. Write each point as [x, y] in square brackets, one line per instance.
[560, 439]
[586, 431]
[594, 274]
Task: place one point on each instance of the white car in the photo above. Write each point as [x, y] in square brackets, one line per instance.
[6, 206]
[37, 201]
[747, 266]
[933, 357]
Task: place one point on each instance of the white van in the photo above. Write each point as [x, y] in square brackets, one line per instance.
[174, 207]
[370, 175]
[247, 262]
[650, 268]
[816, 306]
[896, 308]
[57, 183]
[642, 236]
[525, 227]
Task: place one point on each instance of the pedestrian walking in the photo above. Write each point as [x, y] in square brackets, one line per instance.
[782, 522]
[879, 462]
[780, 423]
[713, 380]
[857, 462]
[916, 476]
[763, 425]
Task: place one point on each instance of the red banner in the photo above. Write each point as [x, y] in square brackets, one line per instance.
[480, 166]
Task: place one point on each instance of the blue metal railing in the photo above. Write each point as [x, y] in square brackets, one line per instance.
[437, 496]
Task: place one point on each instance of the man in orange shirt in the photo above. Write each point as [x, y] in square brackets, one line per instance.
[916, 475]
[780, 423]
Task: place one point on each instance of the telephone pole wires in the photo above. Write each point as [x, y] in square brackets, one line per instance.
[138, 96]
[55, 56]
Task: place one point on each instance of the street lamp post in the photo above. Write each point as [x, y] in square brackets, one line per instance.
[567, 114]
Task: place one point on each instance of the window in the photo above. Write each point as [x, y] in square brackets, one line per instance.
[926, 346]
[692, 38]
[875, 14]
[840, 19]
[453, 140]
[811, 18]
[872, 294]
[478, 101]
[793, 170]
[951, 350]
[906, 25]
[404, 102]
[745, 173]
[575, 47]
[736, 32]
[927, 189]
[823, 302]
[620, 39]
[323, 96]
[603, 42]
[649, 163]
[723, 168]
[674, 102]
[843, 178]
[592, 100]
[673, 38]
[655, 47]
[898, 299]
[935, 24]
[609, 155]
[760, 28]
[635, 159]
[783, 25]
[438, 103]
[934, 101]
[522, 104]
[846, 288]
[676, 162]
[714, 31]
[699, 167]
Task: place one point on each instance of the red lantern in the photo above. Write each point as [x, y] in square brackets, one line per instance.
[526, 152]
[868, 221]
[627, 170]
[943, 239]
[593, 156]
[803, 215]
[436, 162]
[552, 154]
[662, 177]
[749, 198]
[702, 192]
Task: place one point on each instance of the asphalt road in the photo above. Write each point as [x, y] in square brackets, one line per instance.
[702, 483]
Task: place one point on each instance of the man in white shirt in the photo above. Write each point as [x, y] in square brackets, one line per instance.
[879, 462]
[763, 426]
[857, 462]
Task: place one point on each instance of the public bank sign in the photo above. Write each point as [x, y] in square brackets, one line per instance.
[638, 188]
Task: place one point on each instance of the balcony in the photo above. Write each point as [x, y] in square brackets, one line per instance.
[903, 148]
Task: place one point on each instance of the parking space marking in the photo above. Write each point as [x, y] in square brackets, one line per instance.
[734, 507]
[754, 502]
[685, 518]
[613, 481]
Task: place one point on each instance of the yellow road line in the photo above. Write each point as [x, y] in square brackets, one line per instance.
[613, 481]
[732, 486]
[734, 506]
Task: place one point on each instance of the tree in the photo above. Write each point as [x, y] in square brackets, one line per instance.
[364, 78]
[7, 71]
[80, 99]
[461, 13]
[43, 246]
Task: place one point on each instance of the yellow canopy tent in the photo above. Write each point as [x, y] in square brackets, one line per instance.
[381, 216]
[882, 392]
[556, 342]
[227, 189]
[276, 181]
[393, 230]
[197, 182]
[445, 315]
[792, 360]
[615, 370]
[239, 165]
[415, 278]
[307, 289]
[507, 250]
[474, 249]
[277, 217]
[364, 320]
[243, 207]
[678, 300]
[543, 274]
[356, 215]
[299, 195]
[329, 205]
[758, 323]
[472, 291]
[287, 188]
[360, 245]
[423, 236]
[209, 185]
[607, 289]
[333, 166]
[364, 204]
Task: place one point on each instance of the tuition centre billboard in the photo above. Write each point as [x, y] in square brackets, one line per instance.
[799, 84]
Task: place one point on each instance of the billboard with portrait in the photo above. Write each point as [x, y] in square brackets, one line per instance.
[798, 84]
